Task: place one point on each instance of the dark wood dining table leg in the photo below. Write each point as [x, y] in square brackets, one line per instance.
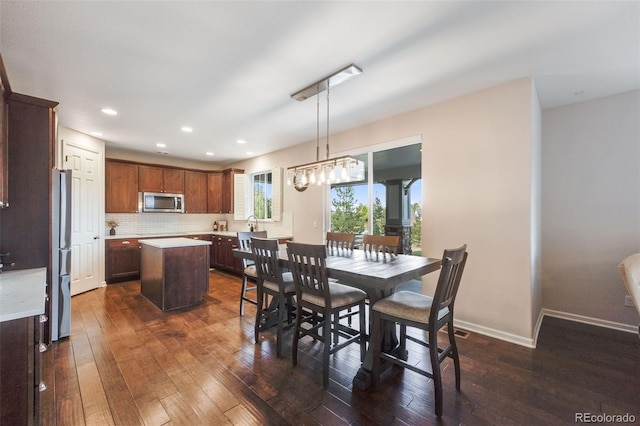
[362, 379]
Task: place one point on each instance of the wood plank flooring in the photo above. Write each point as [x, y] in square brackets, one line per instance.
[127, 363]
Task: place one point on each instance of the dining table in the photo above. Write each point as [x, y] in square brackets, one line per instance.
[377, 274]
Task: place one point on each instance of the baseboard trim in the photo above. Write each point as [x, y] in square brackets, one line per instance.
[590, 320]
[531, 343]
[498, 334]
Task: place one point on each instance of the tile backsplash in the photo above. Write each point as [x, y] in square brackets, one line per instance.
[160, 223]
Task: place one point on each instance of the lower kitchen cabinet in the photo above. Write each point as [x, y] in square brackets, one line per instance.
[20, 370]
[223, 257]
[122, 256]
[122, 260]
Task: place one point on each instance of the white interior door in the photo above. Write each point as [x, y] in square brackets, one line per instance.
[86, 212]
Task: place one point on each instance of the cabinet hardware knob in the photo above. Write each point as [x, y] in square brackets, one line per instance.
[42, 347]
[125, 243]
[95, 237]
[43, 318]
[42, 387]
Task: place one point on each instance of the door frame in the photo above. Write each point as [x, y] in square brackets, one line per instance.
[69, 137]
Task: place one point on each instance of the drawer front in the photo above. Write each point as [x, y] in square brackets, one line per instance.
[128, 242]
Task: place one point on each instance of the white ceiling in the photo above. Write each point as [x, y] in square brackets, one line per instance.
[227, 69]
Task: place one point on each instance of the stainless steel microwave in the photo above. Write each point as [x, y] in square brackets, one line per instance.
[160, 202]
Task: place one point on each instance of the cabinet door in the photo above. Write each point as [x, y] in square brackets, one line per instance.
[214, 194]
[122, 259]
[195, 192]
[173, 181]
[121, 188]
[221, 252]
[232, 262]
[150, 179]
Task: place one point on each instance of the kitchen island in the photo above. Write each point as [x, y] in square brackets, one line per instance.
[174, 272]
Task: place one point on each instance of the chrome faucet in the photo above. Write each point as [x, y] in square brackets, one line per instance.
[251, 226]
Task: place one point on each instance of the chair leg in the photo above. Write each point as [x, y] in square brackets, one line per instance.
[243, 291]
[326, 332]
[336, 325]
[454, 353]
[259, 310]
[296, 337]
[435, 370]
[363, 332]
[281, 319]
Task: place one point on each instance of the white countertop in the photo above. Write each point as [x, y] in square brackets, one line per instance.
[22, 293]
[174, 242]
[170, 234]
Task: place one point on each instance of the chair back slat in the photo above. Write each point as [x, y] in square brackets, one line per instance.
[453, 262]
[385, 244]
[339, 241]
[244, 242]
[307, 263]
[265, 256]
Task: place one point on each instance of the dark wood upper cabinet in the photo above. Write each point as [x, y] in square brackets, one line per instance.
[195, 192]
[227, 189]
[214, 195]
[121, 189]
[160, 179]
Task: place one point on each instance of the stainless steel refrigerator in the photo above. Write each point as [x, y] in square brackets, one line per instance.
[60, 317]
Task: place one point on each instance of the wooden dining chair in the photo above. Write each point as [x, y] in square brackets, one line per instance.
[321, 301]
[271, 281]
[248, 268]
[385, 244]
[426, 313]
[342, 241]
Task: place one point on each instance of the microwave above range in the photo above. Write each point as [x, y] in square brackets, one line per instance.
[160, 202]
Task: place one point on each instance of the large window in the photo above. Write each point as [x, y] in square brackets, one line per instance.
[262, 190]
[367, 206]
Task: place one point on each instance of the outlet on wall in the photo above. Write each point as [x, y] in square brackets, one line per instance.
[628, 301]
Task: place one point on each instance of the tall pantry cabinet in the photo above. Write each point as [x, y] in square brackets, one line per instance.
[30, 127]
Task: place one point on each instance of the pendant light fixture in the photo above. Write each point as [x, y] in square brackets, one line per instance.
[329, 170]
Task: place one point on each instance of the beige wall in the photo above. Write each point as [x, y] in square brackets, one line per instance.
[477, 174]
[591, 206]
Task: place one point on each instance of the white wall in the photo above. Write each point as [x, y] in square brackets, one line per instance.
[477, 174]
[591, 205]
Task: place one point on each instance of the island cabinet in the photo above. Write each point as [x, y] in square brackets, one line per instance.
[122, 260]
[121, 189]
[160, 179]
[195, 192]
[174, 271]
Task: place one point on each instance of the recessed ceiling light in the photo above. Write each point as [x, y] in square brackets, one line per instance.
[210, 154]
[109, 111]
[187, 129]
[241, 141]
[249, 153]
[96, 134]
[161, 145]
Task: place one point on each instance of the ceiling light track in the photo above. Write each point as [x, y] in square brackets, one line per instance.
[330, 170]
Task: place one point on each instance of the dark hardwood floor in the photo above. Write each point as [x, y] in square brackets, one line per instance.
[127, 363]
